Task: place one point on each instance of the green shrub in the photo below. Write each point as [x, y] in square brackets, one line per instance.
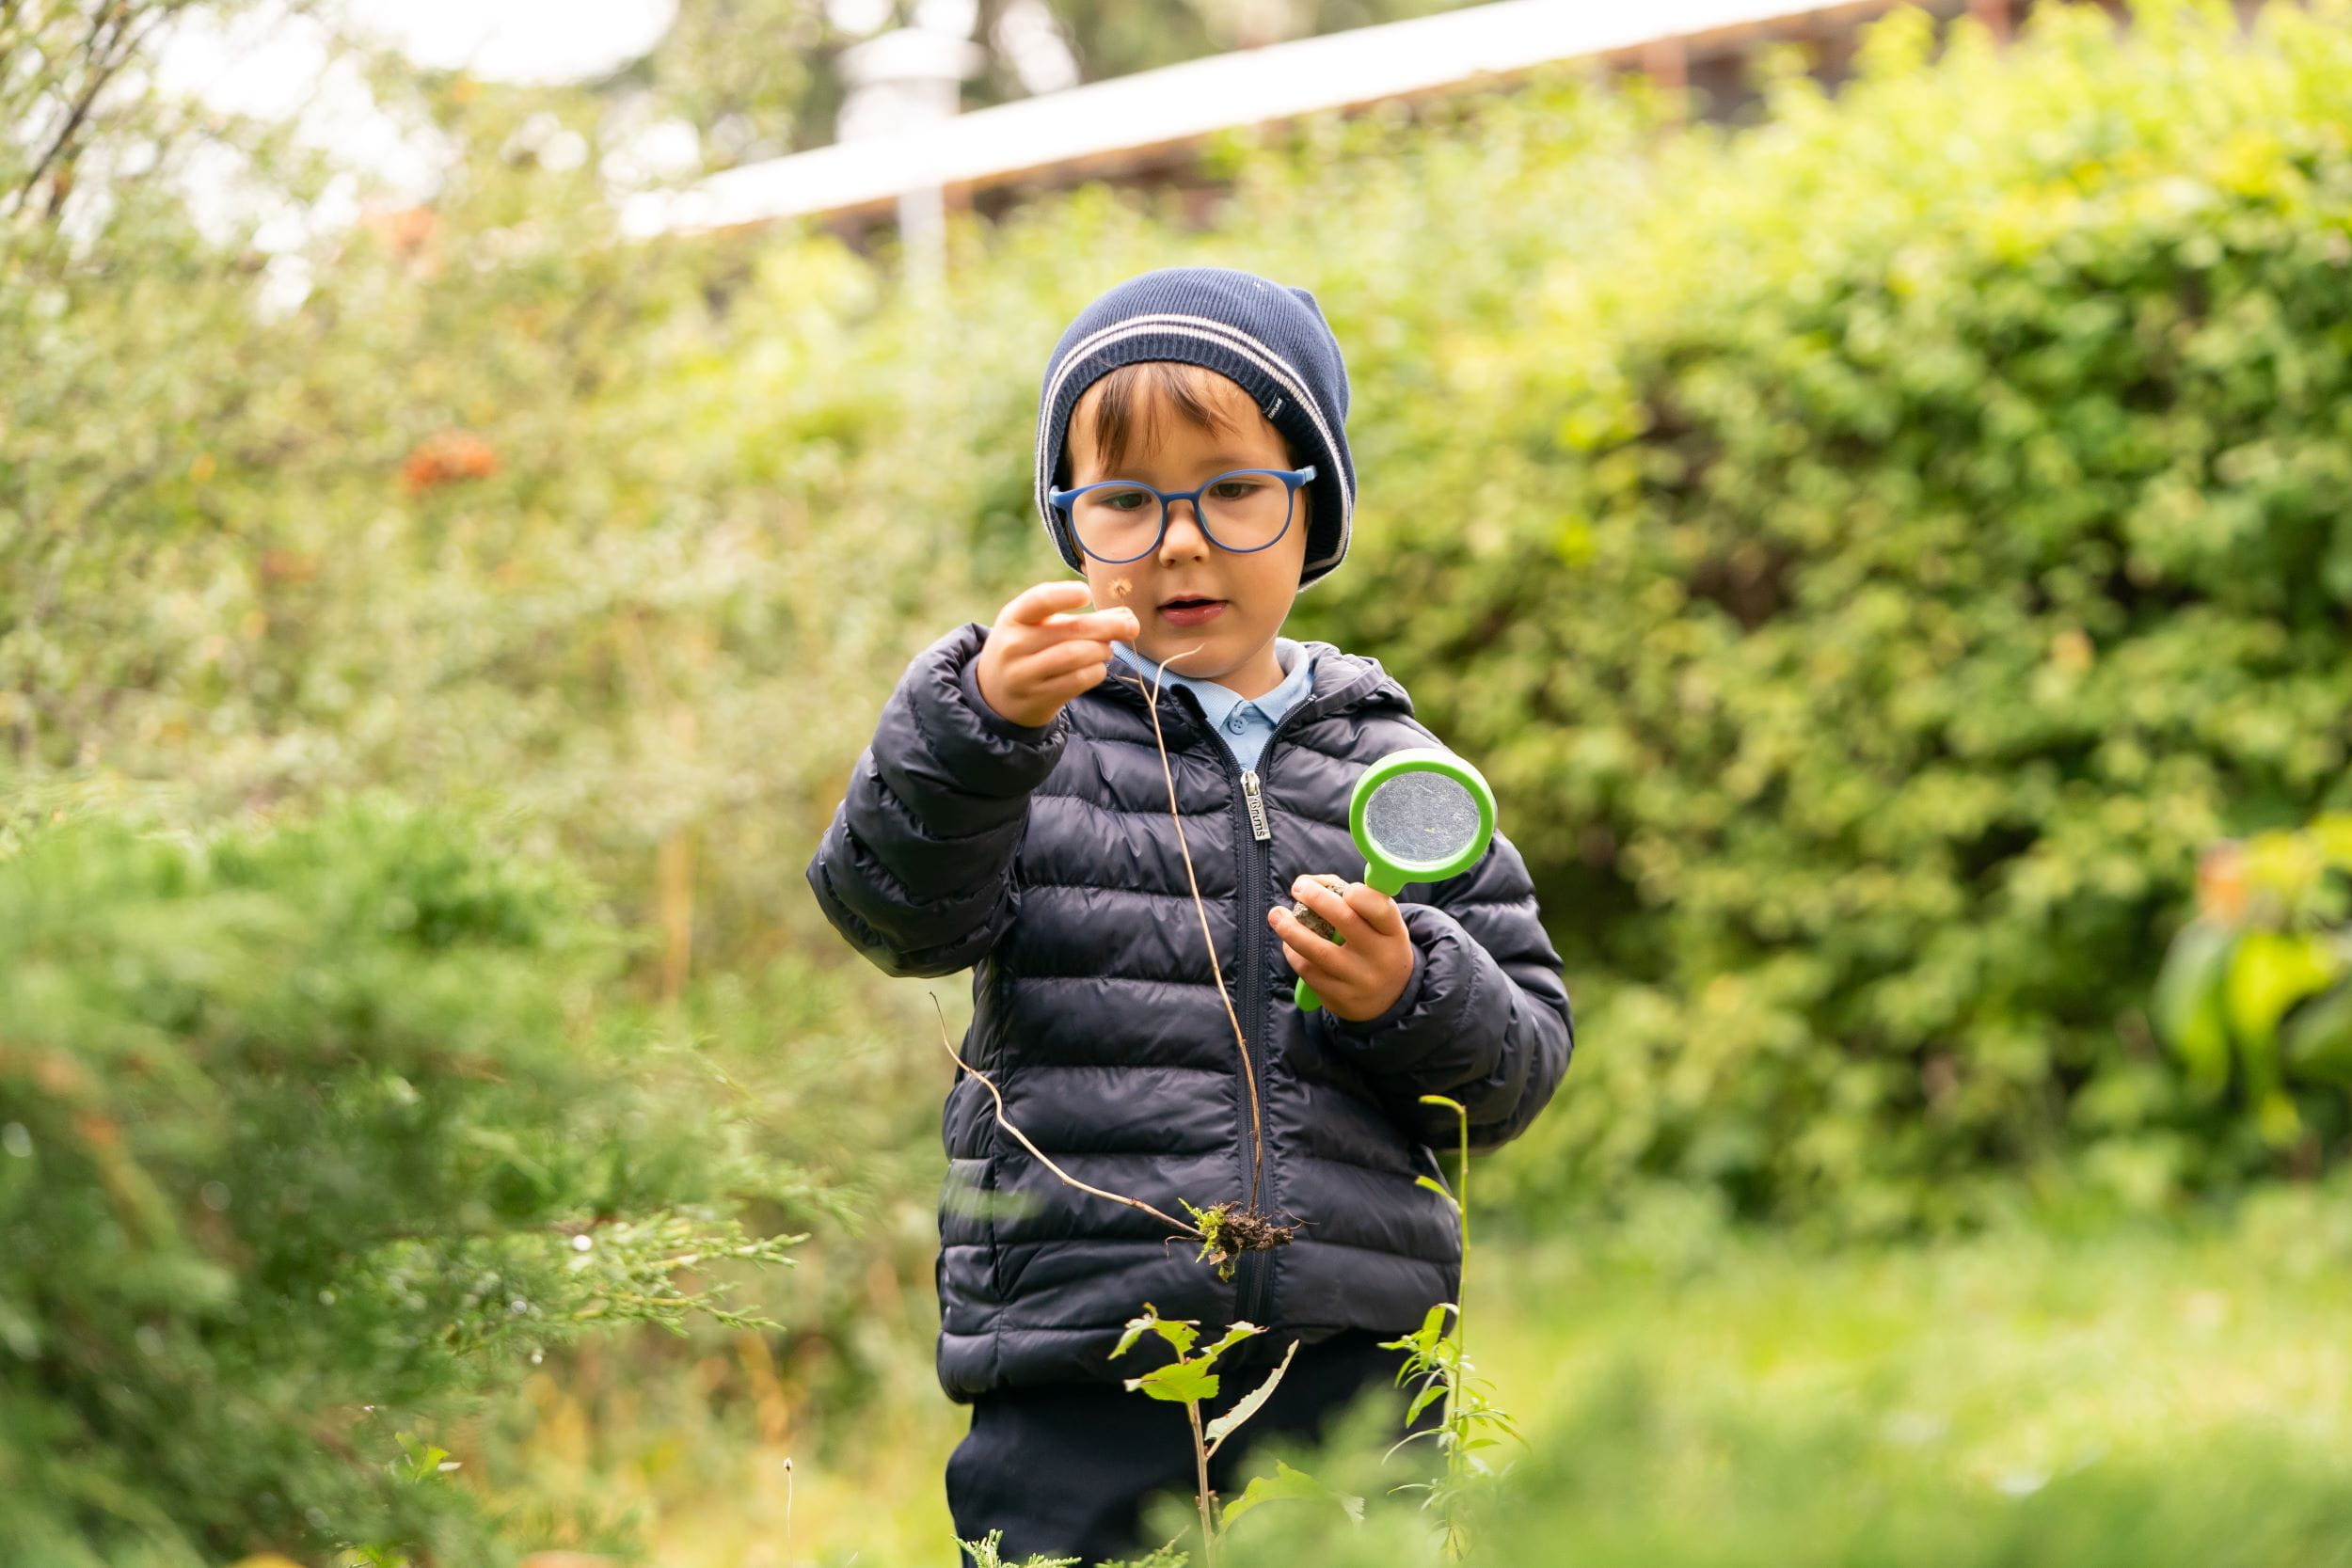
[307, 1136]
[1872, 574]
[1871, 553]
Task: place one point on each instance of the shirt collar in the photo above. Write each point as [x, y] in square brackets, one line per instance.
[1219, 702]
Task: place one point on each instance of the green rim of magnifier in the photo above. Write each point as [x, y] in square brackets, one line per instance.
[1391, 876]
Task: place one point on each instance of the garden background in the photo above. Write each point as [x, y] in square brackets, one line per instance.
[1890, 556]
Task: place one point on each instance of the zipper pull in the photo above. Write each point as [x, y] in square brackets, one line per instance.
[1258, 830]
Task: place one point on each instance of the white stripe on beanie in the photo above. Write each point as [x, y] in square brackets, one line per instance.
[1222, 335]
[1226, 336]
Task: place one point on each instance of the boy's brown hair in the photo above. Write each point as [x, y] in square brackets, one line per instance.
[1129, 402]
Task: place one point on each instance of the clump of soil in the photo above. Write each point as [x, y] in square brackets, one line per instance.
[1228, 1231]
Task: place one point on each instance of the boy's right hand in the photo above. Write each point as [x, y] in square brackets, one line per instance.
[1041, 653]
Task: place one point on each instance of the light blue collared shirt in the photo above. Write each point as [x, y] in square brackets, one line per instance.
[1242, 723]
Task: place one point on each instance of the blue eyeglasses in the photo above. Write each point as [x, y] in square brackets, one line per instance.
[1119, 520]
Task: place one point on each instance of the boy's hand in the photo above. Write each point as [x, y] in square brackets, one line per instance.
[1362, 976]
[1040, 654]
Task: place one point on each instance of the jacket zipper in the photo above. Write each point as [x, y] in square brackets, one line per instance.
[1250, 1274]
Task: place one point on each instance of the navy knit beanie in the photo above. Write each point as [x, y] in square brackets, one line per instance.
[1269, 338]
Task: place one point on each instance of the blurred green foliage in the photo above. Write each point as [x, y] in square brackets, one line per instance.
[2253, 993]
[2141, 1393]
[1625, 1478]
[1872, 557]
[307, 1136]
[1872, 554]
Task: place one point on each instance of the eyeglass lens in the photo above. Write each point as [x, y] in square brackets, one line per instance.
[1238, 511]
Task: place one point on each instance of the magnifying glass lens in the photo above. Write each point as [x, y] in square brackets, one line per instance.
[1420, 818]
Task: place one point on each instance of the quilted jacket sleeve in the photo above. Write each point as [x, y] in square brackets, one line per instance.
[1484, 1019]
[915, 870]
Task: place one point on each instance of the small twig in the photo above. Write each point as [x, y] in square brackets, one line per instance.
[1217, 971]
[103, 67]
[1044, 1159]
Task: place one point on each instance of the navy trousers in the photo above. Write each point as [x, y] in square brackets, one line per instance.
[1066, 1470]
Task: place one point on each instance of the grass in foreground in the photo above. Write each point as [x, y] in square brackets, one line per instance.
[1698, 1396]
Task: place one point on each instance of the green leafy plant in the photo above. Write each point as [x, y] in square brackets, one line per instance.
[1191, 1380]
[2257, 989]
[986, 1552]
[1165, 1556]
[1438, 1366]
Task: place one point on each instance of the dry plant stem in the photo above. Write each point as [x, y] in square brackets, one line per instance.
[1249, 1073]
[1043, 1158]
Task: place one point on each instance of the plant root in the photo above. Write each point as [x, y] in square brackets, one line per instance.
[1227, 1230]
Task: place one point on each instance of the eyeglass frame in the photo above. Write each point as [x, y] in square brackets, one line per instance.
[1292, 480]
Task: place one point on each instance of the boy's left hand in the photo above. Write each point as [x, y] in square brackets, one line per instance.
[1362, 976]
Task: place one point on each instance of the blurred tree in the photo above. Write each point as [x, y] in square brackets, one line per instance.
[1873, 555]
[759, 78]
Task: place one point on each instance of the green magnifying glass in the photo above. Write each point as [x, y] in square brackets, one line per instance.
[1420, 815]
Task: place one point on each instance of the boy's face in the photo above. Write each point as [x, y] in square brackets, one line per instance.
[1189, 593]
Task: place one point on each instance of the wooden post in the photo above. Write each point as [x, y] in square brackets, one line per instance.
[673, 872]
[1667, 62]
[675, 855]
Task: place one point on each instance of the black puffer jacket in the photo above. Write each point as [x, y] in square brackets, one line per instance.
[1045, 857]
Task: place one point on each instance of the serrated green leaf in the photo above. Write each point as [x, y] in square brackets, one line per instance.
[1179, 1383]
[1137, 1328]
[1289, 1484]
[1233, 1335]
[1250, 1402]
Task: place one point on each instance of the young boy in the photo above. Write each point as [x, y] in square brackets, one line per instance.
[1011, 814]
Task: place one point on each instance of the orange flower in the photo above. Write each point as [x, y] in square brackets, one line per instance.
[446, 457]
[2221, 883]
